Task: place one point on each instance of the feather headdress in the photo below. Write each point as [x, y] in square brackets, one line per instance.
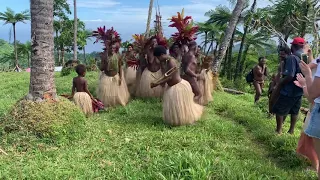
[185, 26]
[108, 37]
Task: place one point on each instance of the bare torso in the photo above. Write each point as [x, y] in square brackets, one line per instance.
[80, 84]
[259, 73]
[175, 77]
[153, 64]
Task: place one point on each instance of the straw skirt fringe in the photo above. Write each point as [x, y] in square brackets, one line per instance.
[130, 77]
[111, 93]
[178, 105]
[210, 75]
[83, 100]
[205, 86]
[144, 89]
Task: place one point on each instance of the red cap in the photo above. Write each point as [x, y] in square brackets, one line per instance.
[298, 40]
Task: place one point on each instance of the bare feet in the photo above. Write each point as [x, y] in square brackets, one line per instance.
[278, 132]
[291, 132]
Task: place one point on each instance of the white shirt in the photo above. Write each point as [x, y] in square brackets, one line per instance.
[317, 74]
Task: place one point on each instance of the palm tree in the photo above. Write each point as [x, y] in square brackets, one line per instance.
[245, 31]
[221, 17]
[228, 34]
[88, 35]
[149, 18]
[257, 41]
[204, 28]
[75, 46]
[10, 17]
[42, 62]
[25, 50]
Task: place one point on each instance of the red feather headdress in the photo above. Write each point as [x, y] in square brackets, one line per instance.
[186, 30]
[108, 37]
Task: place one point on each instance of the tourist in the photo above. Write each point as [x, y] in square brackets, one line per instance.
[305, 145]
[151, 73]
[179, 107]
[283, 54]
[289, 100]
[313, 86]
[259, 75]
[189, 68]
[80, 92]
[112, 90]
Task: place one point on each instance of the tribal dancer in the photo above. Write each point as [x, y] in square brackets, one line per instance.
[176, 52]
[205, 82]
[189, 70]
[151, 73]
[80, 92]
[112, 89]
[186, 36]
[178, 105]
[131, 61]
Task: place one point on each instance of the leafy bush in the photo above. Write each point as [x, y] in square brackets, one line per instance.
[66, 71]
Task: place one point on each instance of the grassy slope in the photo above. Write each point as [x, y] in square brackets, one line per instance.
[233, 140]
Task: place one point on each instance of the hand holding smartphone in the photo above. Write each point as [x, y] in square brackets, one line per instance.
[304, 58]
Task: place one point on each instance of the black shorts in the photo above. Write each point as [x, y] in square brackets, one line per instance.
[287, 105]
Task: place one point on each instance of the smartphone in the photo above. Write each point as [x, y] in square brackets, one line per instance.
[304, 57]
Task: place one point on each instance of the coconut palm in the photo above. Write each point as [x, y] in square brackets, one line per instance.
[204, 28]
[228, 34]
[10, 17]
[258, 42]
[221, 17]
[247, 21]
[42, 62]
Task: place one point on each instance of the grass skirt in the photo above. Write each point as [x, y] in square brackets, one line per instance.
[205, 86]
[178, 105]
[210, 75]
[83, 100]
[111, 93]
[130, 77]
[144, 89]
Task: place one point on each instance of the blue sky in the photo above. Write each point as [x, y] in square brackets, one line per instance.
[128, 17]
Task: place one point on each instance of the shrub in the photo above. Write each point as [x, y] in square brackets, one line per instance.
[52, 122]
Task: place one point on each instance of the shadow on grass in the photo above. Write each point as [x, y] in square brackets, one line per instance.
[281, 149]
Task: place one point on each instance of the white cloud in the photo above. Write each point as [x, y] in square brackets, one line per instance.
[95, 20]
[95, 3]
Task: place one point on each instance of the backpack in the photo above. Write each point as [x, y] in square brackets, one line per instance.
[249, 77]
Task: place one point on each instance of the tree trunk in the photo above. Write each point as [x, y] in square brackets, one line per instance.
[28, 56]
[216, 49]
[211, 44]
[225, 65]
[75, 46]
[229, 31]
[84, 54]
[205, 41]
[245, 52]
[42, 55]
[149, 18]
[243, 39]
[62, 56]
[15, 46]
[230, 56]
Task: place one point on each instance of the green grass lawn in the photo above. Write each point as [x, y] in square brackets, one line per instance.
[233, 140]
